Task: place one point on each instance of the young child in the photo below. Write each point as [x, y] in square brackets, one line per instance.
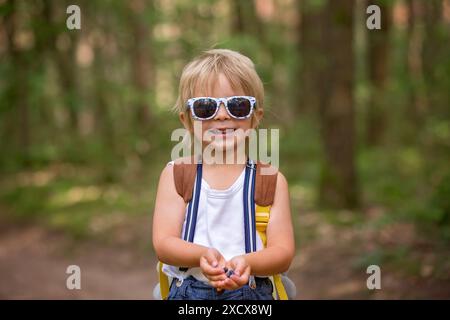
[204, 235]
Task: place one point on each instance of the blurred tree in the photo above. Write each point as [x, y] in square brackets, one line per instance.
[327, 86]
[378, 54]
[18, 89]
[244, 20]
[433, 47]
[142, 60]
[64, 57]
[417, 94]
[311, 35]
[103, 121]
[339, 184]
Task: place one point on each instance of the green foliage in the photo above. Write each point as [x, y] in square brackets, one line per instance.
[398, 257]
[93, 123]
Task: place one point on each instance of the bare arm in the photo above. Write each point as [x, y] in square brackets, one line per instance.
[168, 220]
[280, 250]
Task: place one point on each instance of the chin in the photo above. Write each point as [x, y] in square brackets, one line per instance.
[224, 146]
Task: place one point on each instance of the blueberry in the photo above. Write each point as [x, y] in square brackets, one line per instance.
[230, 273]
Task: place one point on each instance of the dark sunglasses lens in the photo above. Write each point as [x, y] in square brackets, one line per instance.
[204, 108]
[239, 107]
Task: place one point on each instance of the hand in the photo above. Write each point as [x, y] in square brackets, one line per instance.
[241, 274]
[212, 264]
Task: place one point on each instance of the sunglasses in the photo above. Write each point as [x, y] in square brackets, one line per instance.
[206, 108]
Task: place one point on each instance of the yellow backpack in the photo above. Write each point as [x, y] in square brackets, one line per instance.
[259, 191]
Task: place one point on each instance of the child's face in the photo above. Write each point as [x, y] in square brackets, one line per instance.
[214, 127]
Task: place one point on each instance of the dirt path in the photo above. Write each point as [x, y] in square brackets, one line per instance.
[33, 263]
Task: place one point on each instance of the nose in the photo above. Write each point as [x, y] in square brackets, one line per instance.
[222, 114]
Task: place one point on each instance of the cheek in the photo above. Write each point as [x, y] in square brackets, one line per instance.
[200, 128]
[244, 124]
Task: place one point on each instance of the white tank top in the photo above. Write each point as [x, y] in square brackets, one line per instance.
[220, 225]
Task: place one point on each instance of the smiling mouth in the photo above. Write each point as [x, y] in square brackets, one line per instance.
[222, 131]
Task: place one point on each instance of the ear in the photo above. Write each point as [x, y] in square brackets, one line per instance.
[258, 115]
[185, 120]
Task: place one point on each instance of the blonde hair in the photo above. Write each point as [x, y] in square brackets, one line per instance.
[203, 71]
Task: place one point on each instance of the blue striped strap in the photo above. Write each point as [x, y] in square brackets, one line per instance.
[249, 213]
[191, 219]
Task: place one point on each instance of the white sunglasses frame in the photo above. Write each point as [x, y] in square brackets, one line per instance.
[219, 101]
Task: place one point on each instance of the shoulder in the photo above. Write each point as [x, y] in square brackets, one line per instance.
[182, 173]
[183, 160]
[282, 187]
[167, 173]
[269, 182]
[172, 169]
[167, 181]
[281, 180]
[270, 173]
[281, 196]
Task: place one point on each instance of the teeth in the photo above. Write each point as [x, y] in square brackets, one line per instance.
[218, 131]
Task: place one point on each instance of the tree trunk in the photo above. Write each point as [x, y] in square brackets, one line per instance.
[18, 90]
[103, 123]
[244, 20]
[64, 61]
[418, 97]
[432, 51]
[378, 42]
[143, 73]
[338, 187]
[311, 33]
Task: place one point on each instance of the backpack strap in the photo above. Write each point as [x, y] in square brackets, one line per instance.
[191, 218]
[184, 175]
[249, 213]
[249, 207]
[188, 182]
[265, 185]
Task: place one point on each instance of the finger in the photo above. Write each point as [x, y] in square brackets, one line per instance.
[239, 267]
[212, 258]
[219, 277]
[229, 265]
[217, 285]
[229, 284]
[220, 285]
[222, 262]
[208, 269]
[242, 279]
[239, 280]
